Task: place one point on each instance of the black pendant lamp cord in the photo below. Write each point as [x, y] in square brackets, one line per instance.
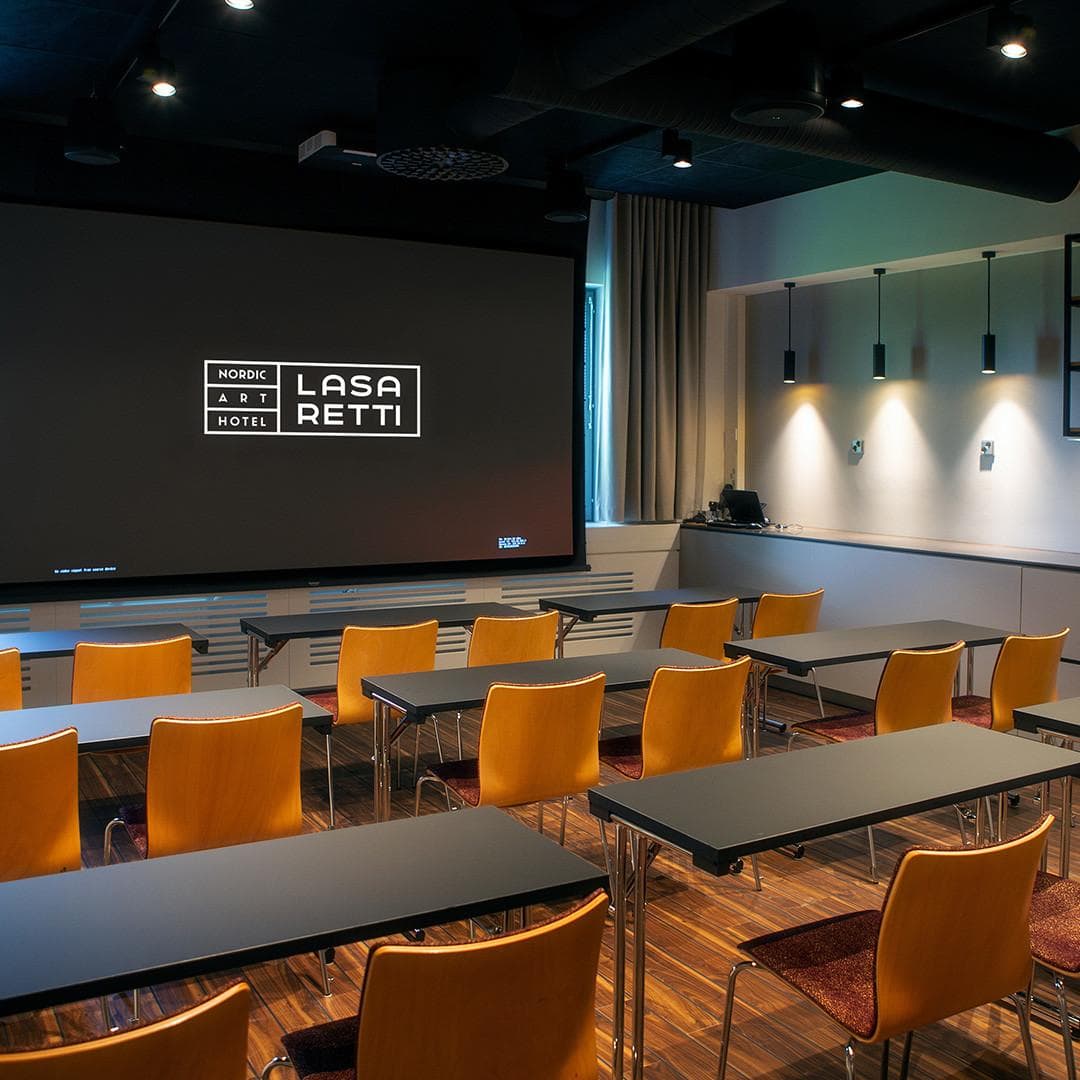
[789, 320]
[878, 310]
[988, 296]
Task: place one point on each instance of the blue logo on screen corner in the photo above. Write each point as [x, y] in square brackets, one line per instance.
[508, 543]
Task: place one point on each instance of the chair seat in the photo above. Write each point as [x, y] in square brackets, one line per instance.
[134, 819]
[325, 1051]
[972, 709]
[326, 699]
[839, 728]
[831, 962]
[461, 777]
[623, 754]
[1055, 923]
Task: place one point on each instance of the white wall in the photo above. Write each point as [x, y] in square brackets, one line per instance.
[921, 474]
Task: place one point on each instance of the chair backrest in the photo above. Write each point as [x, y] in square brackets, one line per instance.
[208, 1042]
[39, 806]
[779, 614]
[539, 742]
[954, 931]
[10, 680]
[513, 640]
[693, 718]
[700, 628]
[379, 650]
[1026, 673]
[916, 689]
[110, 672]
[517, 1007]
[229, 780]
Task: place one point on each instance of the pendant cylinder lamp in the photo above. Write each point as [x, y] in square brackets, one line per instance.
[789, 352]
[989, 342]
[879, 347]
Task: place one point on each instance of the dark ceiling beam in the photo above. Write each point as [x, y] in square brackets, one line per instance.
[695, 93]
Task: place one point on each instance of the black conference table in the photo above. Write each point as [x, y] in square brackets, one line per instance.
[720, 814]
[124, 724]
[276, 631]
[588, 608]
[802, 654]
[1060, 718]
[78, 935]
[42, 644]
[425, 693]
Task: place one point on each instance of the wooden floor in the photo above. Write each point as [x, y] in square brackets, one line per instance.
[695, 923]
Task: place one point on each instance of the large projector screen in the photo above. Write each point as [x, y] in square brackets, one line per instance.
[187, 402]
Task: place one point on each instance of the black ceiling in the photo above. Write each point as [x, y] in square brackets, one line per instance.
[268, 78]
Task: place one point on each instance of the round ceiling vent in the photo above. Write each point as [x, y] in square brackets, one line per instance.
[779, 110]
[442, 163]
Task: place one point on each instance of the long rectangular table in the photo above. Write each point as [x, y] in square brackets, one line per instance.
[1056, 717]
[276, 631]
[72, 936]
[42, 644]
[727, 812]
[588, 608]
[121, 725]
[425, 693]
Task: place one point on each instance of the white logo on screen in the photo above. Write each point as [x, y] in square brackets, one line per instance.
[372, 400]
[508, 543]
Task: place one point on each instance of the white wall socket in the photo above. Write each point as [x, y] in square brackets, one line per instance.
[856, 446]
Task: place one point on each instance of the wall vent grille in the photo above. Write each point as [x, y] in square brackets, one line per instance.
[14, 621]
[216, 616]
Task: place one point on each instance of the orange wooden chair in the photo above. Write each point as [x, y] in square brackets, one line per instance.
[915, 690]
[208, 1041]
[536, 743]
[521, 1006]
[952, 935]
[111, 672]
[10, 680]
[700, 628]
[367, 651]
[1055, 944]
[1025, 673]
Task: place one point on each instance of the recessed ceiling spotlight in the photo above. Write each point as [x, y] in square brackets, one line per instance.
[241, 5]
[1011, 34]
[159, 72]
[681, 151]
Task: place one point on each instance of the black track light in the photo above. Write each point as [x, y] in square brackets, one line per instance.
[789, 352]
[1011, 34]
[989, 342]
[158, 72]
[879, 347]
[565, 200]
[93, 136]
[846, 88]
[680, 150]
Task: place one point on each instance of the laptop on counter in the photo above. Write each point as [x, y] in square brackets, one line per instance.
[745, 510]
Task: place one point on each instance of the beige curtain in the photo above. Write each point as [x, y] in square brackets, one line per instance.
[650, 451]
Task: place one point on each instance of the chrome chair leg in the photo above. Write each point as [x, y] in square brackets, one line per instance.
[415, 753]
[1021, 1004]
[757, 873]
[849, 1059]
[1066, 1026]
[905, 1058]
[325, 975]
[607, 858]
[427, 779]
[330, 774]
[438, 739]
[562, 821]
[272, 1064]
[962, 822]
[135, 1006]
[109, 1025]
[873, 854]
[729, 1008]
[106, 857]
[817, 690]
[460, 751]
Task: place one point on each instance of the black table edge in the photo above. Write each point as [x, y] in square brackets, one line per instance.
[1025, 720]
[716, 863]
[278, 950]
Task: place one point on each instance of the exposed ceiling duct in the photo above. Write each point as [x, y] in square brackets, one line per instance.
[696, 92]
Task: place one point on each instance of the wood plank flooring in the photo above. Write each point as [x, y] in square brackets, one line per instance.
[695, 923]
